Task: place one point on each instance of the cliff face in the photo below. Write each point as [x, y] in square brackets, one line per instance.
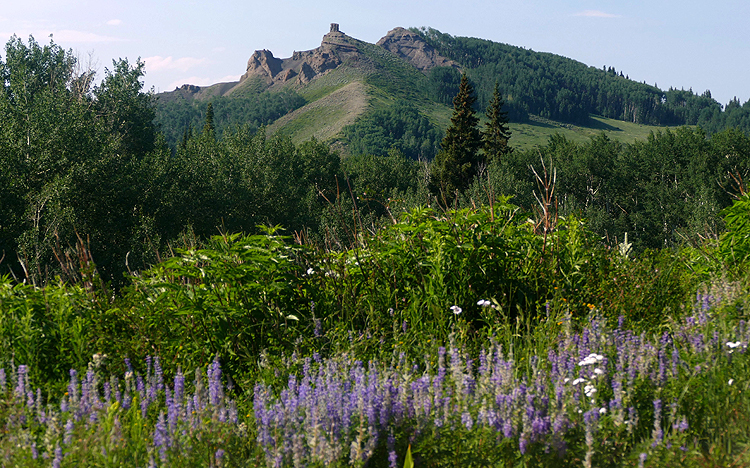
[335, 48]
[412, 48]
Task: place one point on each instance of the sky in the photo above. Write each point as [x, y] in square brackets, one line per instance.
[682, 44]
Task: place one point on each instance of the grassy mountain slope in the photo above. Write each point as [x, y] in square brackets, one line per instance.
[325, 117]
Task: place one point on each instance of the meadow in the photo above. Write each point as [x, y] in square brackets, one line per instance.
[475, 337]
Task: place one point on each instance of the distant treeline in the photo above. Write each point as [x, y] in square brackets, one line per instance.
[176, 116]
[563, 89]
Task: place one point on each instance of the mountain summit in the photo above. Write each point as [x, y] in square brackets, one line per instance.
[336, 48]
[415, 50]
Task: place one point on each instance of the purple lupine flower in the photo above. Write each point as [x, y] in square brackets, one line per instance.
[662, 379]
[318, 326]
[391, 446]
[41, 415]
[144, 406]
[63, 405]
[199, 394]
[508, 428]
[21, 379]
[114, 384]
[161, 437]
[158, 375]
[523, 443]
[658, 433]
[2, 380]
[675, 362]
[140, 387]
[58, 456]
[30, 399]
[173, 411]
[215, 390]
[219, 456]
[68, 436]
[149, 361]
[89, 395]
[467, 420]
[682, 425]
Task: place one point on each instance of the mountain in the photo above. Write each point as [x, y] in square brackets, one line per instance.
[346, 89]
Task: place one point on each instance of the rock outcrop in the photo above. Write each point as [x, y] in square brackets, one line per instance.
[335, 49]
[303, 66]
[264, 63]
[412, 48]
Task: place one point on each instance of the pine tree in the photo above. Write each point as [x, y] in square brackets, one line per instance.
[209, 128]
[457, 162]
[496, 132]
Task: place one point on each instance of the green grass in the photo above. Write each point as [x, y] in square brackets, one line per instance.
[324, 118]
[537, 131]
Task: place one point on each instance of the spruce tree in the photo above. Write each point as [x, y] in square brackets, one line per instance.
[496, 132]
[208, 127]
[457, 162]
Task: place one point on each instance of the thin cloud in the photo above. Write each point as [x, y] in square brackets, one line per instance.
[69, 35]
[182, 64]
[114, 22]
[596, 14]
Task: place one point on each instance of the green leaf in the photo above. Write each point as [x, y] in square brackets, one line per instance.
[408, 462]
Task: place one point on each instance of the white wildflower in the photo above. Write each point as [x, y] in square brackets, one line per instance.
[733, 345]
[579, 380]
[602, 410]
[731, 381]
[483, 303]
[589, 390]
[591, 359]
[456, 309]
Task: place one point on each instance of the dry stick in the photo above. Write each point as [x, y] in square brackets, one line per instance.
[737, 177]
[546, 202]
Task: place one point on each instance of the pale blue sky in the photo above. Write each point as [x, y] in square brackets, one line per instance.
[684, 44]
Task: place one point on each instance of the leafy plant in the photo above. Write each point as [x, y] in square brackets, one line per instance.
[233, 298]
[734, 243]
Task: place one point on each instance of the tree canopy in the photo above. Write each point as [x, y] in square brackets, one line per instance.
[457, 162]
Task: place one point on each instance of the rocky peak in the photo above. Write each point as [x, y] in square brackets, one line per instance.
[264, 63]
[306, 65]
[412, 48]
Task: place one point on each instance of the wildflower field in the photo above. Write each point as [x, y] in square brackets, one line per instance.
[460, 338]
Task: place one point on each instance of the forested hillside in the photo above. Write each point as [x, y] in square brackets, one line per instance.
[176, 118]
[563, 89]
